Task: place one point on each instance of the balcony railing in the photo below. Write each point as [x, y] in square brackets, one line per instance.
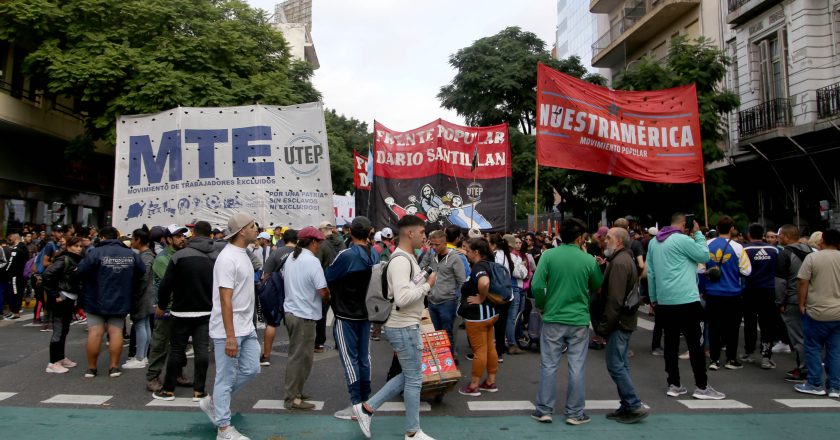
[767, 116]
[735, 4]
[828, 101]
[629, 17]
[21, 93]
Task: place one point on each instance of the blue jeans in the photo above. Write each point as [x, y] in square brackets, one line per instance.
[551, 349]
[232, 373]
[352, 338]
[618, 346]
[443, 317]
[512, 314]
[409, 348]
[143, 333]
[819, 334]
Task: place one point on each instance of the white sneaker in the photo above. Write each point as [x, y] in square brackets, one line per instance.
[230, 434]
[56, 368]
[134, 364]
[419, 435]
[364, 419]
[67, 363]
[781, 347]
[345, 414]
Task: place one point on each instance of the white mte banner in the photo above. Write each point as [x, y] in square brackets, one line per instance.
[189, 164]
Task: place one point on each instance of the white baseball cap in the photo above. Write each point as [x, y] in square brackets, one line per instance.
[652, 230]
[377, 236]
[387, 233]
[264, 235]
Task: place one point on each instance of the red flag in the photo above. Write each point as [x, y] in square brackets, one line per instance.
[652, 136]
[360, 171]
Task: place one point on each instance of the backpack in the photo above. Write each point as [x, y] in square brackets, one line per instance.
[632, 300]
[378, 300]
[501, 291]
[29, 268]
[272, 294]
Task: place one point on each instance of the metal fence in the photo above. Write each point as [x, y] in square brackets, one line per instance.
[828, 101]
[763, 117]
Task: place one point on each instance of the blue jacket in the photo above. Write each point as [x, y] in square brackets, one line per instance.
[763, 258]
[348, 277]
[734, 263]
[111, 273]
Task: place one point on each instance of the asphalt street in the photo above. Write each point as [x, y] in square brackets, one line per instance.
[24, 386]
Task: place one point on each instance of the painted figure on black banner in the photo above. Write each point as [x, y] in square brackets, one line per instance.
[444, 211]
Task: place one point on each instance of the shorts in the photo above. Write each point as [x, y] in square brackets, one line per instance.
[94, 320]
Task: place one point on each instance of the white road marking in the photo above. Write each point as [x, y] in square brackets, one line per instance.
[713, 404]
[400, 407]
[809, 403]
[605, 404]
[4, 396]
[178, 402]
[78, 399]
[278, 404]
[645, 324]
[501, 405]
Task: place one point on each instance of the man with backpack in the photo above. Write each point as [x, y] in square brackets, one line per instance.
[724, 305]
[618, 321]
[273, 318]
[565, 275]
[348, 278]
[787, 269]
[408, 287]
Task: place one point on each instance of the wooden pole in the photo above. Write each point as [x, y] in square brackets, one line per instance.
[705, 205]
[536, 192]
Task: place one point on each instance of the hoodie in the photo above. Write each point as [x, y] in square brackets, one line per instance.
[672, 261]
[189, 279]
[787, 269]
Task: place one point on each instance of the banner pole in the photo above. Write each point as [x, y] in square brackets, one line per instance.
[705, 204]
[536, 190]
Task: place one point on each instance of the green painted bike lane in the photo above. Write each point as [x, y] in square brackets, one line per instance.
[95, 424]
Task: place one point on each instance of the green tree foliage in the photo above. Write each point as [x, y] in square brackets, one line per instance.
[701, 63]
[345, 134]
[142, 56]
[496, 82]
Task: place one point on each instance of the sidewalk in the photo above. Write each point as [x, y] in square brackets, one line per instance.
[95, 424]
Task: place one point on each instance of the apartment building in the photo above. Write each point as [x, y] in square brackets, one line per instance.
[786, 134]
[632, 29]
[294, 19]
[37, 183]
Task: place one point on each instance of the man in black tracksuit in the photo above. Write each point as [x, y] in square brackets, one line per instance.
[189, 282]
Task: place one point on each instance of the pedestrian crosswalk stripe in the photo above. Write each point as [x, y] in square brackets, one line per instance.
[501, 405]
[809, 403]
[645, 324]
[178, 402]
[400, 407]
[77, 399]
[605, 404]
[278, 404]
[714, 404]
[4, 396]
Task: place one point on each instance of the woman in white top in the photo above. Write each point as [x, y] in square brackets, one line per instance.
[502, 253]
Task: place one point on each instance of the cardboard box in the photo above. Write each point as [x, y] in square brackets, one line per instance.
[436, 339]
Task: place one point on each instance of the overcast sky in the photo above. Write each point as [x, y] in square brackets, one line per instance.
[387, 59]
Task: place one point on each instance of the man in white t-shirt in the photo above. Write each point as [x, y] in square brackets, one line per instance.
[237, 349]
[306, 291]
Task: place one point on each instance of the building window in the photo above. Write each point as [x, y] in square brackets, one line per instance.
[693, 29]
[772, 67]
[732, 49]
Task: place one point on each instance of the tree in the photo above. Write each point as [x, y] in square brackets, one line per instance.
[496, 82]
[345, 135]
[143, 56]
[497, 79]
[700, 63]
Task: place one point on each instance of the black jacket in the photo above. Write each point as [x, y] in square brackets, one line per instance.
[189, 277]
[61, 275]
[17, 257]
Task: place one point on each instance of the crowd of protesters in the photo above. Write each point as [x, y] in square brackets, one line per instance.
[191, 291]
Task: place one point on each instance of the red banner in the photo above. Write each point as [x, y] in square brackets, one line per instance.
[442, 147]
[652, 136]
[360, 171]
[444, 173]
